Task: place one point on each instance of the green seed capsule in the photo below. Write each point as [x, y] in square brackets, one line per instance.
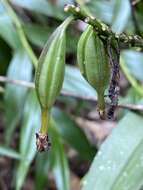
[81, 49]
[51, 65]
[95, 64]
[50, 74]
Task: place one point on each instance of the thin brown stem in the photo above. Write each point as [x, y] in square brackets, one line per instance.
[103, 30]
[26, 84]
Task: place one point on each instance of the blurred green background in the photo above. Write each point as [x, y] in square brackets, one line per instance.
[76, 133]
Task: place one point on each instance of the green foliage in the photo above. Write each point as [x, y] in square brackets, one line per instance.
[60, 164]
[8, 32]
[118, 163]
[80, 87]
[72, 132]
[134, 61]
[4, 151]
[120, 18]
[15, 95]
[43, 7]
[5, 56]
[43, 166]
[30, 124]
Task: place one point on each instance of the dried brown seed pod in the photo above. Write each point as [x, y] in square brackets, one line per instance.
[114, 55]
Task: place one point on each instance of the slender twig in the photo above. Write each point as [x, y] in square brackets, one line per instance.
[102, 29]
[20, 32]
[105, 31]
[131, 107]
[17, 82]
[26, 84]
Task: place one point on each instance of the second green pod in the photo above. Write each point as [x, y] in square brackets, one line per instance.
[93, 62]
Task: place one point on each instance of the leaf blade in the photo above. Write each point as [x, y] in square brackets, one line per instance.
[14, 96]
[80, 87]
[30, 124]
[4, 151]
[60, 165]
[110, 165]
[121, 13]
[134, 62]
[69, 131]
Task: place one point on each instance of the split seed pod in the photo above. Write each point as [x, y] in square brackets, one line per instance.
[93, 62]
[49, 75]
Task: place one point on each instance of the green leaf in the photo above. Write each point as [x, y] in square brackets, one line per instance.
[121, 13]
[5, 56]
[75, 83]
[30, 125]
[4, 151]
[134, 62]
[119, 162]
[37, 34]
[54, 160]
[60, 165]
[101, 9]
[43, 165]
[8, 31]
[41, 6]
[71, 133]
[20, 68]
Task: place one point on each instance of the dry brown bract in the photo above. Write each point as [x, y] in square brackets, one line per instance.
[42, 142]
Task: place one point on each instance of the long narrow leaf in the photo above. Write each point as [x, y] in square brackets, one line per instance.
[55, 160]
[134, 62]
[60, 164]
[43, 166]
[30, 125]
[4, 151]
[72, 134]
[121, 13]
[75, 83]
[8, 31]
[41, 6]
[119, 162]
[19, 68]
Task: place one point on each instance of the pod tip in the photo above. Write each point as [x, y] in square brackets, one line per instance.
[42, 142]
[102, 114]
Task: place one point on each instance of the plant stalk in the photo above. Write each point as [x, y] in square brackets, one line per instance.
[102, 29]
[45, 118]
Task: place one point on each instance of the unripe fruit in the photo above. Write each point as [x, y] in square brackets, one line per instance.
[49, 78]
[94, 62]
